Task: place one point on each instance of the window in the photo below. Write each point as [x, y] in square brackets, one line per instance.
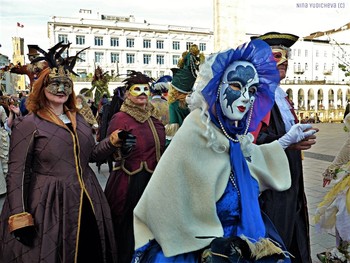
[325, 66]
[299, 52]
[146, 43]
[98, 57]
[160, 59]
[82, 57]
[82, 73]
[160, 44]
[317, 53]
[130, 58]
[80, 40]
[146, 58]
[306, 66]
[176, 45]
[130, 42]
[306, 52]
[202, 46]
[175, 59]
[325, 54]
[188, 45]
[63, 38]
[114, 57]
[98, 41]
[316, 66]
[114, 42]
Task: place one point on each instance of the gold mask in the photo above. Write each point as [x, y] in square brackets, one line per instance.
[280, 55]
[59, 82]
[138, 89]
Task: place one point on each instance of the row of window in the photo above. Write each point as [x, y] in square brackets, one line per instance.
[297, 52]
[130, 42]
[298, 66]
[130, 58]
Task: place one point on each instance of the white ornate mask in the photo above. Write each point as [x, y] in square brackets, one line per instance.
[238, 87]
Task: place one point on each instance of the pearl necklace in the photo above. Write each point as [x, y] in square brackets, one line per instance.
[246, 130]
[233, 182]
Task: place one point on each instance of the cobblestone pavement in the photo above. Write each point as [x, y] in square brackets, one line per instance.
[329, 140]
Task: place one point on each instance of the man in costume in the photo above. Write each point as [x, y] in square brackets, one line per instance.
[181, 86]
[32, 70]
[287, 209]
[158, 88]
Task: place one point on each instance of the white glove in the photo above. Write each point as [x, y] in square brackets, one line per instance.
[296, 134]
[246, 142]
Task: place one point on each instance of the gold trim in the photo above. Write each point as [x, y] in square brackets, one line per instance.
[156, 138]
[21, 220]
[143, 165]
[219, 255]
[279, 36]
[79, 171]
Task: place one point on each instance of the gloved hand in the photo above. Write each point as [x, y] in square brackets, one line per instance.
[296, 134]
[25, 235]
[246, 142]
[232, 249]
[128, 142]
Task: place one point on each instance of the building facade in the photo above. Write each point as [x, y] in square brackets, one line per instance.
[315, 83]
[120, 44]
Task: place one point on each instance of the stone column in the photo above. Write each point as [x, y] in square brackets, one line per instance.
[230, 18]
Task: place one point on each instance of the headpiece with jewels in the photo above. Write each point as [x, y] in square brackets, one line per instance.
[60, 66]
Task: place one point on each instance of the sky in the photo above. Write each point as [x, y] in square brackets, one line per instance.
[299, 17]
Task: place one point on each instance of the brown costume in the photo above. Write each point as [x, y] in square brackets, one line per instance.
[31, 70]
[50, 182]
[60, 176]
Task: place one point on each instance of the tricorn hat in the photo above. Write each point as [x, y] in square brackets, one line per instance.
[32, 51]
[278, 39]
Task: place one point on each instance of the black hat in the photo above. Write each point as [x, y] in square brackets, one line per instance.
[32, 51]
[278, 39]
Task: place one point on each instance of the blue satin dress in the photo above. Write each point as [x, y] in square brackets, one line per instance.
[228, 212]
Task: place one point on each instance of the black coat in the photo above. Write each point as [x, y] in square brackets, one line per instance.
[287, 209]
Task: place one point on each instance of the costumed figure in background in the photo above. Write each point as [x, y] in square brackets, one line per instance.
[201, 204]
[135, 161]
[286, 209]
[181, 86]
[4, 149]
[160, 87]
[86, 112]
[334, 211]
[32, 70]
[55, 209]
[109, 109]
